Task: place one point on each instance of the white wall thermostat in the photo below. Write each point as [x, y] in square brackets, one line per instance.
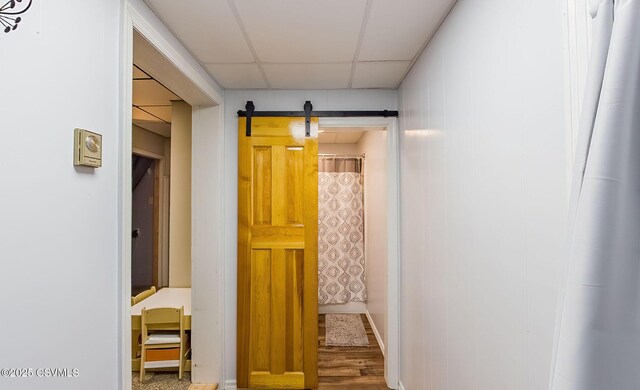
[87, 148]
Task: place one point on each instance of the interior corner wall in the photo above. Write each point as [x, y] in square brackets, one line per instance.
[180, 196]
[60, 223]
[264, 100]
[374, 145]
[483, 199]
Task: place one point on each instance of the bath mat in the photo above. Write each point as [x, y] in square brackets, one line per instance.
[345, 330]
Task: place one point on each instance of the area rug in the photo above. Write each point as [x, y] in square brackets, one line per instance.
[345, 330]
[161, 381]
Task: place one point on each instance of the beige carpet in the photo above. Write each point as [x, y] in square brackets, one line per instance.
[161, 381]
[345, 330]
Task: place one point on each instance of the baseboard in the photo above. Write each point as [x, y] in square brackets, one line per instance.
[375, 332]
[400, 386]
[230, 384]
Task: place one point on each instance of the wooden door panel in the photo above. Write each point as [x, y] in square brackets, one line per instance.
[277, 255]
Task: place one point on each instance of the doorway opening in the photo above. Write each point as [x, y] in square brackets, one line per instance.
[161, 223]
[145, 219]
[352, 258]
[157, 57]
[357, 245]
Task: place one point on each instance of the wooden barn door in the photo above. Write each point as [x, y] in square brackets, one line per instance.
[277, 254]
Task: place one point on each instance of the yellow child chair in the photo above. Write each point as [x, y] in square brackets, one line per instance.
[143, 295]
[164, 340]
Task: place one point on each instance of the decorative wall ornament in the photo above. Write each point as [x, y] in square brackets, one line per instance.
[9, 12]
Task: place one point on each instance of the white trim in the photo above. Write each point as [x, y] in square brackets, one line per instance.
[376, 333]
[124, 202]
[230, 384]
[400, 386]
[201, 90]
[392, 329]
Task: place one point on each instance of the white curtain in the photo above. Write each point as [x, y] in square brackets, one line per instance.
[598, 332]
[341, 265]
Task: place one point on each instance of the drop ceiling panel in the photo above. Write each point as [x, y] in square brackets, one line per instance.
[151, 93]
[308, 76]
[237, 76]
[142, 116]
[379, 74]
[398, 29]
[139, 74]
[208, 28]
[161, 112]
[294, 31]
[327, 138]
[348, 137]
[340, 137]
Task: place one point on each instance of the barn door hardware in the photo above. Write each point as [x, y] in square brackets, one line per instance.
[308, 113]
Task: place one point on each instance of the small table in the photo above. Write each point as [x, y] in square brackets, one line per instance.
[166, 297]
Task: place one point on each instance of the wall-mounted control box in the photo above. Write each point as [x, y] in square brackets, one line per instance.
[87, 148]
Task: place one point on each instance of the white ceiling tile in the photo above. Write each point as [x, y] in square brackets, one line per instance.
[397, 29]
[142, 116]
[208, 28]
[162, 112]
[348, 137]
[340, 137]
[237, 76]
[139, 73]
[326, 138]
[151, 93]
[293, 31]
[308, 76]
[379, 74]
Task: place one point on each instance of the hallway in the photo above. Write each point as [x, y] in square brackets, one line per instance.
[358, 368]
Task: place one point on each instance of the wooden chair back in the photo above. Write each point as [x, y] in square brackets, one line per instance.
[143, 295]
[162, 320]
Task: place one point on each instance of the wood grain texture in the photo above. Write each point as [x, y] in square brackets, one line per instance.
[310, 291]
[277, 254]
[244, 257]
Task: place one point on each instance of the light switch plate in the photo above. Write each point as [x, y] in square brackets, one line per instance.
[87, 148]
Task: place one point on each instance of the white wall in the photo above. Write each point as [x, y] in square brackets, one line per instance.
[207, 246]
[371, 99]
[374, 145]
[484, 198]
[59, 224]
[337, 148]
[180, 196]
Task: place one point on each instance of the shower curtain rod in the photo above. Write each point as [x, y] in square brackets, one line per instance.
[352, 155]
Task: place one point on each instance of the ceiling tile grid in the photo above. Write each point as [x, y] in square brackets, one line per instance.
[304, 44]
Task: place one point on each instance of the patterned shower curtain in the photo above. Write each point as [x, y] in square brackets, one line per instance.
[341, 264]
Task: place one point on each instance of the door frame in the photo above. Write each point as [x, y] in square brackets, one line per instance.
[158, 215]
[172, 65]
[392, 329]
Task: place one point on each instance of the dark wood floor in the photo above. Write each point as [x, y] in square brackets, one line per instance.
[353, 368]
